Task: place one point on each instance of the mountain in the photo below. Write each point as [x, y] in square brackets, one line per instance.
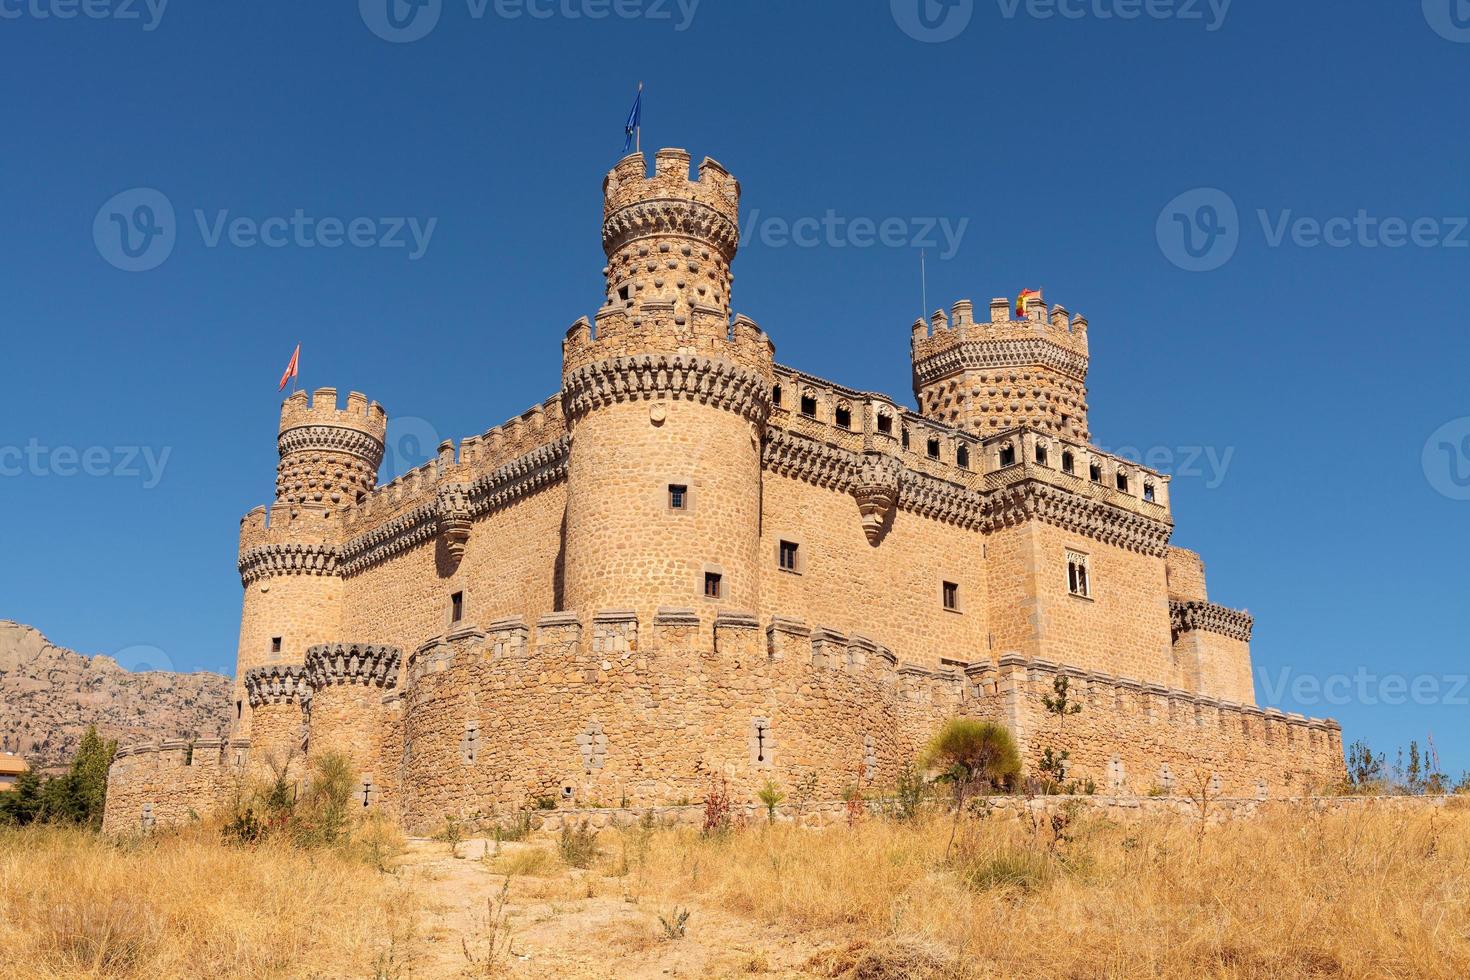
[49, 695]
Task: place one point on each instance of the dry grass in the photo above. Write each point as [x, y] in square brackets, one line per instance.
[1361, 895]
[1370, 894]
[185, 905]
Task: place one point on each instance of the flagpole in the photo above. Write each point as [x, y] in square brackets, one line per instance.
[638, 129]
[923, 287]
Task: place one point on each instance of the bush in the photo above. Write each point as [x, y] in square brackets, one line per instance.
[577, 845]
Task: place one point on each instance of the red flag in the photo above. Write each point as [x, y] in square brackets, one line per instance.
[292, 369]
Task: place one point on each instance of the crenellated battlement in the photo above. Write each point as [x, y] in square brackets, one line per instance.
[629, 184]
[945, 331]
[995, 374]
[368, 664]
[321, 409]
[329, 455]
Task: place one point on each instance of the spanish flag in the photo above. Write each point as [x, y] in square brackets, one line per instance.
[293, 368]
[1021, 301]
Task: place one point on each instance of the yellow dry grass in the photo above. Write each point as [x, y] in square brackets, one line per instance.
[185, 905]
[1366, 894]
[1371, 893]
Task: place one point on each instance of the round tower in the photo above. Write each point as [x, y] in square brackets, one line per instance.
[288, 554]
[329, 456]
[667, 399]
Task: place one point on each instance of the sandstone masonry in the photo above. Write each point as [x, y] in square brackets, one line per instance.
[693, 561]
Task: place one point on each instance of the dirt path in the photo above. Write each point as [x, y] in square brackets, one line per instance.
[571, 923]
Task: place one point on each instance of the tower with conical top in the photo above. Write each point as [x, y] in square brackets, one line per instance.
[667, 398]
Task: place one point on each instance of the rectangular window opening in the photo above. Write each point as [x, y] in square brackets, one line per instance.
[1077, 577]
[951, 596]
[456, 607]
[713, 585]
[275, 644]
[789, 551]
[678, 496]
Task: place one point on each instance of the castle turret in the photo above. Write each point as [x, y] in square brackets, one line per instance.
[288, 554]
[1026, 369]
[666, 399]
[329, 456]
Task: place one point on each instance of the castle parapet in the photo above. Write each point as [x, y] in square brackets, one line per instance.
[278, 684]
[368, 664]
[329, 455]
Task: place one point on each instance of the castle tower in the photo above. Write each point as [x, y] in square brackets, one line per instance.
[288, 554]
[329, 456]
[1009, 371]
[666, 400]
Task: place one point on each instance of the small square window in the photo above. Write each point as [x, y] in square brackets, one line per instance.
[1069, 465]
[714, 585]
[933, 448]
[962, 457]
[809, 406]
[844, 417]
[678, 496]
[275, 644]
[789, 556]
[1123, 482]
[1008, 455]
[1041, 453]
[952, 596]
[1094, 473]
[885, 424]
[1148, 492]
[456, 608]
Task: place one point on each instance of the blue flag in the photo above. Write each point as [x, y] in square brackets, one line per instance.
[635, 120]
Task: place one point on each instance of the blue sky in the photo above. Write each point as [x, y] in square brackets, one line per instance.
[1310, 395]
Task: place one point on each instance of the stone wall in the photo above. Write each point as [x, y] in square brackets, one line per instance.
[170, 783]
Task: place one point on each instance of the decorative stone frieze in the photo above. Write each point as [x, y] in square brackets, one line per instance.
[1186, 617]
[670, 216]
[278, 684]
[353, 663]
[270, 560]
[709, 381]
[989, 354]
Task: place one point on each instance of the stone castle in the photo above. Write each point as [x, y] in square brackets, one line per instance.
[693, 561]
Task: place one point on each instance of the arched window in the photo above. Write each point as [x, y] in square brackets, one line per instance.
[962, 457]
[1008, 455]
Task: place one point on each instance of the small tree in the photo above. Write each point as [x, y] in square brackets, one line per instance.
[1364, 769]
[770, 794]
[1054, 764]
[22, 805]
[972, 755]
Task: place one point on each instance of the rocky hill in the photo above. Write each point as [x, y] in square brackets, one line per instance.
[49, 695]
